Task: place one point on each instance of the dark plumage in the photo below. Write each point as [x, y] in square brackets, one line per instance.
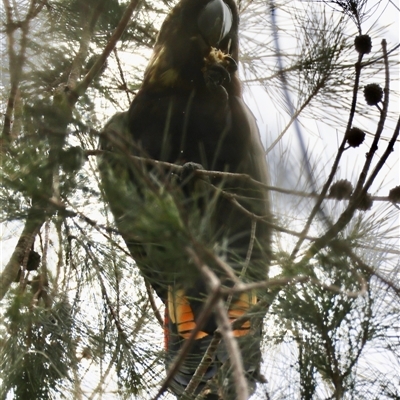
[189, 111]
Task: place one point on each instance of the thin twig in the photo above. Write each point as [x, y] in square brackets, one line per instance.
[357, 197]
[153, 304]
[87, 32]
[219, 263]
[262, 80]
[296, 114]
[203, 366]
[335, 165]
[16, 61]
[98, 390]
[225, 328]
[281, 282]
[250, 248]
[114, 316]
[379, 129]
[372, 271]
[177, 362]
[231, 175]
[87, 80]
[212, 348]
[121, 74]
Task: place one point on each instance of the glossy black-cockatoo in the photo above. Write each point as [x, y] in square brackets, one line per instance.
[189, 111]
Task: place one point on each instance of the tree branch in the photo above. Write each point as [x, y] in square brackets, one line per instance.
[87, 80]
[33, 223]
[87, 32]
[335, 165]
[177, 362]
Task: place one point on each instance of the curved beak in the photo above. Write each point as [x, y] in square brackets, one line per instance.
[215, 22]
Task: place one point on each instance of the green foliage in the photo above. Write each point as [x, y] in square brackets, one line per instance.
[331, 323]
[37, 354]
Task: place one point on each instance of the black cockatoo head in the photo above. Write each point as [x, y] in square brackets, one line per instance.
[215, 22]
[191, 31]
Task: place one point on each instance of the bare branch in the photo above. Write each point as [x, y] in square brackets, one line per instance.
[87, 33]
[335, 165]
[121, 74]
[349, 212]
[225, 329]
[203, 366]
[87, 80]
[296, 114]
[177, 362]
[153, 304]
[16, 61]
[379, 129]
